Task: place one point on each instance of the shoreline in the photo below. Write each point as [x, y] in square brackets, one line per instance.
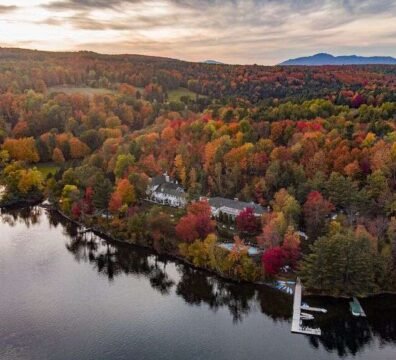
[181, 259]
[19, 204]
[107, 237]
[173, 257]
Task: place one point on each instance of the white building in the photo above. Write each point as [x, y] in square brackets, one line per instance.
[232, 207]
[166, 191]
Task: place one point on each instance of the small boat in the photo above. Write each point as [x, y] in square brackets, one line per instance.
[306, 316]
[306, 307]
[356, 308]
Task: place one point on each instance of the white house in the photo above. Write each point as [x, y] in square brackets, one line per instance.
[166, 191]
[232, 207]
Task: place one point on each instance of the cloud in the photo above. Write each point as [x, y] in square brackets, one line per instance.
[81, 5]
[235, 31]
[7, 8]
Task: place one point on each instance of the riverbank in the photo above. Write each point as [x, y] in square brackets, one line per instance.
[106, 235]
[109, 237]
[20, 203]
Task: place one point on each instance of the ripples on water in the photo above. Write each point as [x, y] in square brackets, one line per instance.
[66, 296]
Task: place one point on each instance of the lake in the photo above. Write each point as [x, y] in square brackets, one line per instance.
[67, 297]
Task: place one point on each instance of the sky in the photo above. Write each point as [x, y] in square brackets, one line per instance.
[231, 31]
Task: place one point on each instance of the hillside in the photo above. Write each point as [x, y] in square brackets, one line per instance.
[252, 83]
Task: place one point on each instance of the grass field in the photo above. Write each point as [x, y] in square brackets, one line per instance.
[47, 168]
[79, 90]
[175, 95]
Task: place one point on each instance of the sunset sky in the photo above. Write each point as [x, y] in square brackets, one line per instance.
[235, 31]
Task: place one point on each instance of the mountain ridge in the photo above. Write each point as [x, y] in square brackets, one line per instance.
[328, 59]
[213, 62]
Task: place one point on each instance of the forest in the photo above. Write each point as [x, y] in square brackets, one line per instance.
[316, 146]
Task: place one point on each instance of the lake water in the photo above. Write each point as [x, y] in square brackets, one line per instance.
[65, 297]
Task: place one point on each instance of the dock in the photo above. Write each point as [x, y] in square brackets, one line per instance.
[297, 320]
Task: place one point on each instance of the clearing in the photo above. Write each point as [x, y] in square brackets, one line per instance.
[79, 90]
[47, 168]
[175, 95]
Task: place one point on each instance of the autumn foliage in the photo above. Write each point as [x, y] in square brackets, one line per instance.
[247, 222]
[316, 209]
[22, 149]
[273, 259]
[316, 146]
[197, 224]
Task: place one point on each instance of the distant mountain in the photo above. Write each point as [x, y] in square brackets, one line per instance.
[213, 62]
[327, 59]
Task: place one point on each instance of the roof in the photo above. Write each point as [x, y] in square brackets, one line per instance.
[252, 250]
[158, 180]
[170, 189]
[219, 202]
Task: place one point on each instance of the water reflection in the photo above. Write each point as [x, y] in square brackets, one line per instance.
[28, 216]
[196, 287]
[341, 332]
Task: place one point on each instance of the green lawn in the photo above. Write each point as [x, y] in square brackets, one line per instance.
[47, 168]
[175, 95]
[174, 213]
[79, 90]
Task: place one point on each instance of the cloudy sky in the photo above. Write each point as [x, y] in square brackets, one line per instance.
[233, 31]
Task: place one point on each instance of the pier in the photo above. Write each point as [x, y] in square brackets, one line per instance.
[298, 317]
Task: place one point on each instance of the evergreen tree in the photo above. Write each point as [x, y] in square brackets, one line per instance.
[102, 192]
[340, 263]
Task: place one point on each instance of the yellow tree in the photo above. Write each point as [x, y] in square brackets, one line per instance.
[180, 169]
[23, 149]
[30, 179]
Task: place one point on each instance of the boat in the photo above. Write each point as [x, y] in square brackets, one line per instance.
[356, 308]
[306, 307]
[306, 316]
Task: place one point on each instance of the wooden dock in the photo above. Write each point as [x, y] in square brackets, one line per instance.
[297, 325]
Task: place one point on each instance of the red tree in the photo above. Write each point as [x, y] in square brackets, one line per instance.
[76, 210]
[199, 208]
[87, 202]
[315, 209]
[357, 100]
[115, 202]
[272, 260]
[197, 224]
[247, 222]
[291, 248]
[203, 225]
[186, 230]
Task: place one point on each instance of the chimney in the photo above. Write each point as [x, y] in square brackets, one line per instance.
[166, 176]
[236, 199]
